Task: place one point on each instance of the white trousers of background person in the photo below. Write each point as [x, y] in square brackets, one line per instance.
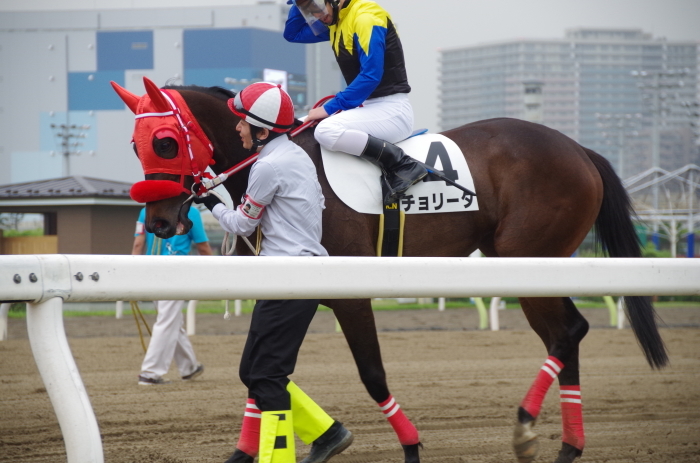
[388, 118]
[168, 341]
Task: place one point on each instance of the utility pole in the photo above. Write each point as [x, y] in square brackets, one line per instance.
[67, 133]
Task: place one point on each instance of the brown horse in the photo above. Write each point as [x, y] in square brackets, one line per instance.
[539, 195]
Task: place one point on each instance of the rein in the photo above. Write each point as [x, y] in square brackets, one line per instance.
[309, 124]
[210, 182]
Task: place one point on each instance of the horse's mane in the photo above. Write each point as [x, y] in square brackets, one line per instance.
[218, 92]
[221, 93]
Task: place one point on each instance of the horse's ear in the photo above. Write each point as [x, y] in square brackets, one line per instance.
[159, 101]
[127, 97]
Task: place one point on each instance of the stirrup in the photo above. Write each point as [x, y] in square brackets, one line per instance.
[390, 196]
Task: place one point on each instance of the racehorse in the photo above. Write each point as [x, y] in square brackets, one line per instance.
[539, 195]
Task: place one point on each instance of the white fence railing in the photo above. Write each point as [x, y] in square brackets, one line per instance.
[46, 281]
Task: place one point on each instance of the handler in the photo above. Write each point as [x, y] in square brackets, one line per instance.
[285, 199]
[169, 340]
[376, 111]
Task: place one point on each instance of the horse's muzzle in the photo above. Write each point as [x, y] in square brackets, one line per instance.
[162, 228]
[148, 191]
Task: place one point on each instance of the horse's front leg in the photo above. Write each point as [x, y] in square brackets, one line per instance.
[357, 321]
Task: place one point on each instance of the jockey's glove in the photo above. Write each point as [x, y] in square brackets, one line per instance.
[210, 201]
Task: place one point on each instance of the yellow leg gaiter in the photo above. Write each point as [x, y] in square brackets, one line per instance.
[310, 421]
[277, 437]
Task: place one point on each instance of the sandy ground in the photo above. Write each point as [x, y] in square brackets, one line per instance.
[461, 387]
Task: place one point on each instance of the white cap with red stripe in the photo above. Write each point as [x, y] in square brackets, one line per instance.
[266, 105]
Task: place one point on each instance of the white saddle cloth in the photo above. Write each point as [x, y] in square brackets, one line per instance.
[357, 183]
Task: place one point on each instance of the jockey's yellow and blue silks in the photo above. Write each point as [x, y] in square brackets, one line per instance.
[367, 48]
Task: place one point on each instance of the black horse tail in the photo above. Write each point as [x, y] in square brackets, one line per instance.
[615, 232]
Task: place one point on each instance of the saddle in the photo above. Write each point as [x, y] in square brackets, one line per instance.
[448, 187]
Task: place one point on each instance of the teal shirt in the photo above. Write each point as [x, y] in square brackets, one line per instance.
[178, 245]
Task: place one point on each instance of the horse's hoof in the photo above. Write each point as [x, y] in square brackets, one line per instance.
[411, 454]
[525, 442]
[568, 453]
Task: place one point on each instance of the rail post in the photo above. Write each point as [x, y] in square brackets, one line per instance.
[60, 374]
[191, 322]
[493, 313]
[4, 311]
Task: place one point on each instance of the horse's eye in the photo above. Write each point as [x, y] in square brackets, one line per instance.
[166, 147]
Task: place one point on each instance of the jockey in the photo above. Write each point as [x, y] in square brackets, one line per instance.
[285, 199]
[376, 111]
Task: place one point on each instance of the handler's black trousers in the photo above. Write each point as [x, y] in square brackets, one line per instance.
[277, 330]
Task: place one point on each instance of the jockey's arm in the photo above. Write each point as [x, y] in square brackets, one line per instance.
[296, 29]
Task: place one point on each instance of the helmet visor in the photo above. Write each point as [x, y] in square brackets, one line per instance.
[315, 13]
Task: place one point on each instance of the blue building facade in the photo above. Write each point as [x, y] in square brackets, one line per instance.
[211, 57]
[55, 69]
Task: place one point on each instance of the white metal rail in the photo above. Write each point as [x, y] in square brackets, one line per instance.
[46, 281]
[82, 278]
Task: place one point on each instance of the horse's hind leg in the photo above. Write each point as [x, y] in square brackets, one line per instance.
[561, 327]
[357, 321]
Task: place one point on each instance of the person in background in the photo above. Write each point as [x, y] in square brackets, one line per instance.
[376, 111]
[169, 339]
[284, 198]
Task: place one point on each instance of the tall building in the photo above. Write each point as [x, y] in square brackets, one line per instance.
[618, 92]
[58, 114]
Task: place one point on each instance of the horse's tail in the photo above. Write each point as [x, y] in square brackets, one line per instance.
[616, 234]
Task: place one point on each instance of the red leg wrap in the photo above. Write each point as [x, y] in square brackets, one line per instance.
[571, 416]
[532, 402]
[249, 440]
[404, 429]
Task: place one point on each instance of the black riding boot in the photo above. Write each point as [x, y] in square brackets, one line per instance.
[401, 170]
[239, 456]
[330, 443]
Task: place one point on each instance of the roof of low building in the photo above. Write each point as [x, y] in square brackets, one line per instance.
[75, 186]
[67, 191]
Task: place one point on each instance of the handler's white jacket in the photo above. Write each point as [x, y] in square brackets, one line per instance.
[285, 198]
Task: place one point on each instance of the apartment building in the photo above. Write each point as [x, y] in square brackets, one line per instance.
[618, 92]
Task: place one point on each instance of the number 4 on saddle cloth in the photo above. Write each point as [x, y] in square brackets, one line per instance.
[448, 187]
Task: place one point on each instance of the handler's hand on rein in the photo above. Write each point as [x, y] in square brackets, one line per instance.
[209, 201]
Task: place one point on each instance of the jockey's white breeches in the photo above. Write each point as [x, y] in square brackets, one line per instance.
[388, 118]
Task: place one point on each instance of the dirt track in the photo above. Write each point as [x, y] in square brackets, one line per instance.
[461, 389]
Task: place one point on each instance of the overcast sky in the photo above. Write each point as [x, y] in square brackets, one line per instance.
[427, 26]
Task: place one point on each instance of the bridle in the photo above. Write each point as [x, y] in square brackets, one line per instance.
[155, 190]
[183, 135]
